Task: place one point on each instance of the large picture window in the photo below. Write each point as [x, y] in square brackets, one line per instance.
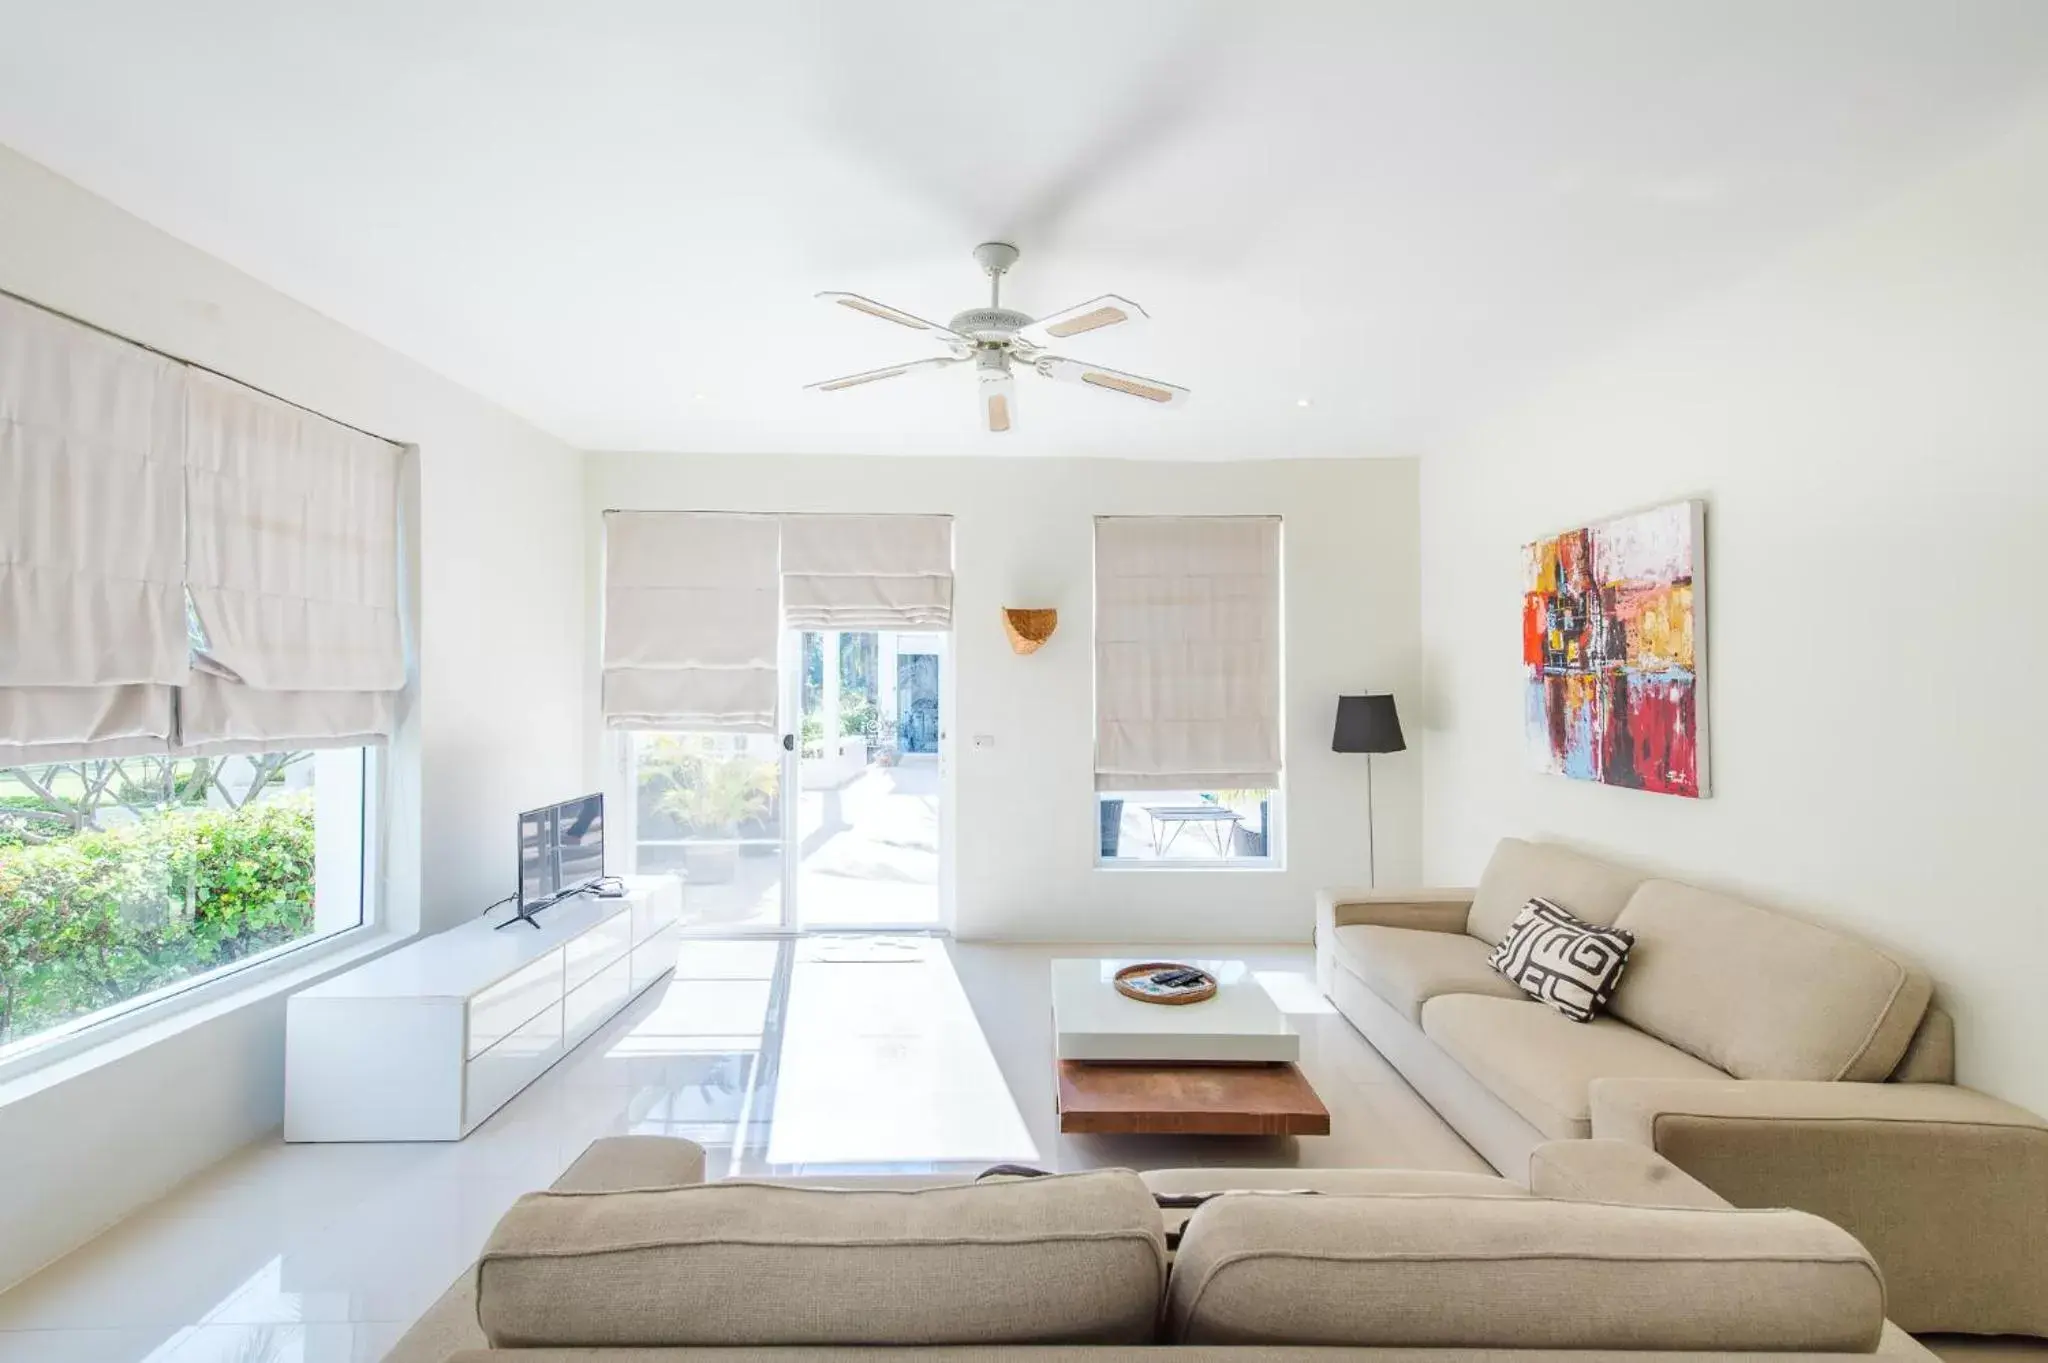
[200, 651]
[127, 879]
[1187, 689]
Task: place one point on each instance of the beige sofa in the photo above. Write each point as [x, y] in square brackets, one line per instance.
[1608, 1253]
[1780, 1063]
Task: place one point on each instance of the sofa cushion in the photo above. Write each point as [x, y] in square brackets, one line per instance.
[1453, 1272]
[1074, 1258]
[1408, 967]
[1541, 1063]
[1930, 1056]
[1328, 1182]
[1761, 995]
[1170, 1185]
[1591, 889]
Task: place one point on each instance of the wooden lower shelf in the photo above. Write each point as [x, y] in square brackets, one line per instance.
[1188, 1100]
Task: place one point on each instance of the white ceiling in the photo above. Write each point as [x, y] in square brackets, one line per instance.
[611, 217]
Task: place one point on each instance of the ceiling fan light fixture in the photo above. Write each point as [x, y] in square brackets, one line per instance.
[1124, 385]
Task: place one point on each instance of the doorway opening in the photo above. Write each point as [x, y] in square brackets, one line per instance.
[867, 851]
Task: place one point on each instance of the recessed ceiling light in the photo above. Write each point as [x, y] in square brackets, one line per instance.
[696, 397]
[1301, 402]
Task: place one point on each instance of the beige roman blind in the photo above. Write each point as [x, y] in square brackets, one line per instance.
[92, 541]
[292, 569]
[690, 621]
[867, 572]
[1187, 652]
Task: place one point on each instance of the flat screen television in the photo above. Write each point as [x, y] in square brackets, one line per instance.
[561, 852]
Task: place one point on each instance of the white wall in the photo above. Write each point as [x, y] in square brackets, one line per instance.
[1024, 829]
[496, 725]
[1868, 420]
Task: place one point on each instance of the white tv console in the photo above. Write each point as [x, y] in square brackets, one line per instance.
[424, 1042]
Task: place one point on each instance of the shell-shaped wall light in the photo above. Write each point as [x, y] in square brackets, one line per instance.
[1029, 629]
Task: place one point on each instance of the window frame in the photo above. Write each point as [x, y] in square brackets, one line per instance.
[1275, 859]
[90, 1031]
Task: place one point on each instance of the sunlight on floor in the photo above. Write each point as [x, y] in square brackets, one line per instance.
[884, 1061]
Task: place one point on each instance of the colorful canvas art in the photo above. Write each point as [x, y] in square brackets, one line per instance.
[1614, 644]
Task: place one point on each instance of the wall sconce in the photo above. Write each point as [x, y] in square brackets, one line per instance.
[1029, 629]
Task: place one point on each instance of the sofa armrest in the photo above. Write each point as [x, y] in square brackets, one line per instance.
[609, 1164]
[1426, 910]
[614, 1164]
[1614, 1172]
[1947, 1186]
[1429, 910]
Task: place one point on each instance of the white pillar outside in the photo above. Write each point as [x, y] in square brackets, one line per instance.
[887, 642]
[828, 692]
[338, 795]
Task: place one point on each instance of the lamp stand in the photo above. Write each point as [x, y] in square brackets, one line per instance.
[1372, 832]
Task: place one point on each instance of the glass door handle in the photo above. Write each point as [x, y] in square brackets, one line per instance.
[789, 742]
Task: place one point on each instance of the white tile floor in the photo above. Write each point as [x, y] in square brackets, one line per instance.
[827, 1054]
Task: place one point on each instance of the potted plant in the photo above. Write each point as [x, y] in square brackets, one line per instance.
[711, 796]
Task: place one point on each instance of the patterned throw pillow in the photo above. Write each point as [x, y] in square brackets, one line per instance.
[1557, 959]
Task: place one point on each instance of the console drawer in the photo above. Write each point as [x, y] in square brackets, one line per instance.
[516, 1061]
[591, 1004]
[656, 911]
[656, 955]
[497, 1011]
[599, 947]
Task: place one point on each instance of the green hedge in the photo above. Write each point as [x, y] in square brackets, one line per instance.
[103, 916]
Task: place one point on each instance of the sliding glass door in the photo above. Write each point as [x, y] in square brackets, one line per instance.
[832, 824]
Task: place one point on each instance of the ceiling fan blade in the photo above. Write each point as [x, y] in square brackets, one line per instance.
[1094, 375]
[896, 315]
[998, 400]
[871, 375]
[1097, 313]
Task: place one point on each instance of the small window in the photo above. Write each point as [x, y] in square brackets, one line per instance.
[1190, 827]
[123, 881]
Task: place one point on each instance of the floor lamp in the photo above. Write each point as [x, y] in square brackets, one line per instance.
[1368, 724]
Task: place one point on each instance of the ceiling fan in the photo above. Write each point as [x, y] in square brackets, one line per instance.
[996, 337]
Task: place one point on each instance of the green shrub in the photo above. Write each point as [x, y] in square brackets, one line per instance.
[102, 916]
[14, 823]
[856, 717]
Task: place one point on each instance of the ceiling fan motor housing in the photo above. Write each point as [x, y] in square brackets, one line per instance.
[991, 326]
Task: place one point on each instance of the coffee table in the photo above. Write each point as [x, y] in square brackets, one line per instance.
[1222, 1067]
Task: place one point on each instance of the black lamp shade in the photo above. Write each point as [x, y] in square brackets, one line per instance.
[1367, 724]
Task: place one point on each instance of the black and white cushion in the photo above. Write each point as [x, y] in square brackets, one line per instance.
[1560, 960]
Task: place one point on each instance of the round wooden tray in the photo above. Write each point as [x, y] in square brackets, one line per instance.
[1206, 990]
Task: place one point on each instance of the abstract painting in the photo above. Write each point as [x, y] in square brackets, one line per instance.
[1614, 647]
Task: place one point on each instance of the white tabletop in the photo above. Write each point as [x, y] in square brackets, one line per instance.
[472, 956]
[1091, 1021]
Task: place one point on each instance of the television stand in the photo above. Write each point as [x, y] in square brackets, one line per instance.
[425, 1042]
